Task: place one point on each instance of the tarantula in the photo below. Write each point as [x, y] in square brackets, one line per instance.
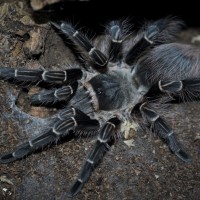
[121, 80]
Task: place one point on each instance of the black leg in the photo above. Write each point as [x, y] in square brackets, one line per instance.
[99, 60]
[184, 90]
[99, 149]
[68, 119]
[54, 96]
[156, 33]
[164, 87]
[36, 76]
[118, 32]
[161, 128]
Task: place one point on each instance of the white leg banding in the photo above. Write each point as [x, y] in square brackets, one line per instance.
[111, 124]
[75, 34]
[74, 111]
[80, 180]
[117, 41]
[30, 143]
[102, 141]
[59, 117]
[155, 118]
[71, 90]
[170, 133]
[16, 72]
[56, 132]
[75, 123]
[148, 40]
[39, 97]
[55, 94]
[65, 75]
[43, 75]
[91, 50]
[90, 161]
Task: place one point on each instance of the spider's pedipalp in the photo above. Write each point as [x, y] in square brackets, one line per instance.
[159, 32]
[97, 57]
[163, 130]
[34, 76]
[54, 96]
[106, 133]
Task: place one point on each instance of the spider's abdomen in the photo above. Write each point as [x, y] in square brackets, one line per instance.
[112, 90]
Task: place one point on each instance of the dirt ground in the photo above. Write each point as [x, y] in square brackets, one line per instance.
[147, 170]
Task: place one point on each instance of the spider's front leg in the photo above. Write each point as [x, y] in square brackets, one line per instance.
[105, 135]
[161, 128]
[117, 31]
[37, 76]
[68, 119]
[98, 59]
[68, 78]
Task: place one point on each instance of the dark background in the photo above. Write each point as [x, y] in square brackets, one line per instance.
[95, 13]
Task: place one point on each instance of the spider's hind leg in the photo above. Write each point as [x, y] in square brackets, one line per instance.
[182, 90]
[66, 120]
[159, 32]
[161, 128]
[186, 90]
[105, 135]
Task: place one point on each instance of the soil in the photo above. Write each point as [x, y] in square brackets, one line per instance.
[147, 170]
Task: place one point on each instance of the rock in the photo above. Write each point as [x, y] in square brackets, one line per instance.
[39, 4]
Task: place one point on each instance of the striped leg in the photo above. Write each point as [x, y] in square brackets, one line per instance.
[35, 76]
[68, 119]
[165, 87]
[162, 129]
[99, 60]
[118, 32]
[156, 33]
[184, 90]
[99, 149]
